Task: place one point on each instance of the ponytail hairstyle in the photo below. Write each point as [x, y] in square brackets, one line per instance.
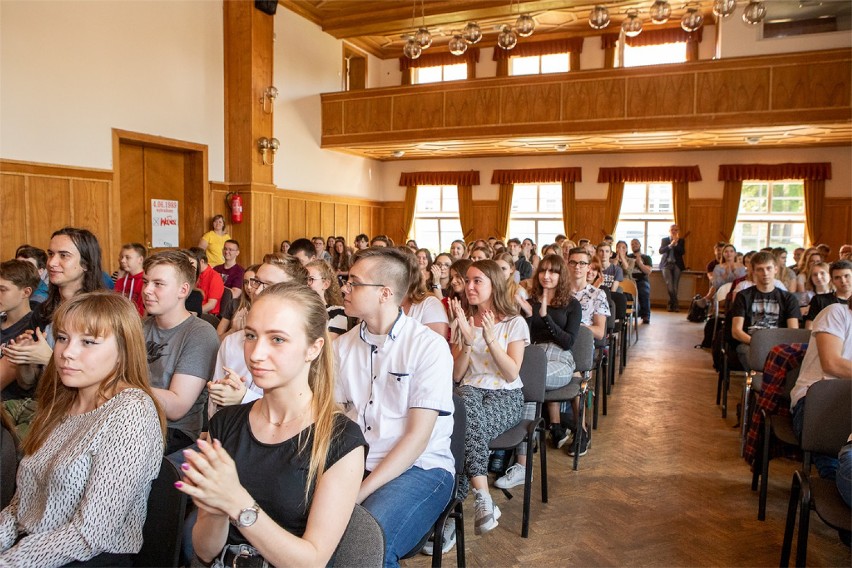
[320, 375]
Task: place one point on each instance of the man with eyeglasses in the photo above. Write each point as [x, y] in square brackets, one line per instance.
[231, 272]
[395, 380]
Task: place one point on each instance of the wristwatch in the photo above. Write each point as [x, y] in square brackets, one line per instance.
[435, 286]
[247, 516]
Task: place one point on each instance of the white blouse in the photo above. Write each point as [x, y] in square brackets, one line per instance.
[482, 372]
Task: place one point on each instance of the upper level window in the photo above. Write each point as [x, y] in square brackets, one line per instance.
[647, 212]
[654, 54]
[536, 212]
[436, 217]
[439, 73]
[539, 64]
[772, 214]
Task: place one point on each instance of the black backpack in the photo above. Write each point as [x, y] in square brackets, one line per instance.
[697, 309]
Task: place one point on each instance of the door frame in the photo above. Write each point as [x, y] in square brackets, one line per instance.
[196, 194]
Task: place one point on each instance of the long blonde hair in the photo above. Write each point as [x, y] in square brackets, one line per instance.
[99, 314]
[320, 374]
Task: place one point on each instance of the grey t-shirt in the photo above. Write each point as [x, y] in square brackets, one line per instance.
[189, 348]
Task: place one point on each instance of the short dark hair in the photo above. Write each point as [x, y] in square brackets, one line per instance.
[138, 247]
[20, 273]
[233, 242]
[198, 254]
[303, 245]
[763, 257]
[381, 238]
[397, 268]
[514, 240]
[361, 237]
[579, 250]
[841, 264]
[35, 253]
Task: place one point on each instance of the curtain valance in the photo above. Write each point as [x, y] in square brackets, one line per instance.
[407, 179]
[435, 59]
[566, 45]
[537, 175]
[649, 174]
[804, 171]
[653, 37]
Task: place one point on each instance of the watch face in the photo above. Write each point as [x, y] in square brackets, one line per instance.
[247, 517]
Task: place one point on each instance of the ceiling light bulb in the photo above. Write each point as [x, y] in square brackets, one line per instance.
[660, 11]
[412, 49]
[525, 25]
[692, 20]
[754, 12]
[398, 153]
[507, 39]
[599, 17]
[724, 8]
[632, 25]
[457, 45]
[424, 38]
[472, 33]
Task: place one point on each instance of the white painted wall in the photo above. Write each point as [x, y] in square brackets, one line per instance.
[308, 62]
[589, 188]
[71, 71]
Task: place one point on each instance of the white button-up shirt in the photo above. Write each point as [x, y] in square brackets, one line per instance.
[378, 382]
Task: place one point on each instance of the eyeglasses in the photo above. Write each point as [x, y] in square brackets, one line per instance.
[349, 285]
[255, 283]
[580, 263]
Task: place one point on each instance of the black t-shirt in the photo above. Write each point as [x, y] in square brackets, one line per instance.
[194, 302]
[637, 273]
[765, 310]
[559, 326]
[819, 302]
[275, 474]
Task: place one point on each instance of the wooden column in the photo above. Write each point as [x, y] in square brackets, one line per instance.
[248, 72]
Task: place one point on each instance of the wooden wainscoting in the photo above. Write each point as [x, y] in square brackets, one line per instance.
[705, 217]
[38, 199]
[590, 220]
[837, 220]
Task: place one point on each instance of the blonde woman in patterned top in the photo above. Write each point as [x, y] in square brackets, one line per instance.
[94, 447]
[488, 349]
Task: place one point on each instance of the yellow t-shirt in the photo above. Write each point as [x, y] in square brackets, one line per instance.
[215, 244]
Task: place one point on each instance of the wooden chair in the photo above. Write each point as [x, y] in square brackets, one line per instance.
[632, 295]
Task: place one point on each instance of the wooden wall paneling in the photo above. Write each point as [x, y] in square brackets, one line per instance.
[664, 95]
[813, 86]
[197, 200]
[837, 220]
[705, 217]
[327, 219]
[590, 219]
[50, 208]
[392, 221]
[733, 90]
[470, 108]
[367, 115]
[530, 103]
[332, 118]
[165, 176]
[313, 223]
[280, 220]
[132, 186]
[296, 218]
[485, 213]
[365, 224]
[353, 223]
[412, 112]
[377, 221]
[341, 219]
[92, 204]
[262, 242]
[591, 100]
[13, 229]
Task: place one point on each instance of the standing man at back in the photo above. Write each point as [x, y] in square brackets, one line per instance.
[395, 380]
[672, 251]
[181, 347]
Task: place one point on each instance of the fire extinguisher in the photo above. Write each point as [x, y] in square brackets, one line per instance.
[234, 201]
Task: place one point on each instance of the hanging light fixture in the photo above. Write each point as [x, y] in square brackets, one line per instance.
[457, 45]
[423, 38]
[660, 11]
[632, 25]
[412, 49]
[507, 39]
[692, 20]
[754, 12]
[599, 17]
[525, 25]
[472, 33]
[724, 8]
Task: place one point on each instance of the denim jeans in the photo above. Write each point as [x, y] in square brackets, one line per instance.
[844, 473]
[671, 274]
[826, 465]
[643, 290]
[408, 506]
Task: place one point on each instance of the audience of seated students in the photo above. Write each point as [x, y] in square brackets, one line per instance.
[841, 280]
[18, 279]
[181, 348]
[393, 381]
[672, 249]
[209, 283]
[595, 275]
[284, 470]
[304, 250]
[717, 259]
[232, 317]
[762, 306]
[612, 273]
[230, 271]
[323, 280]
[420, 305]
[528, 251]
[213, 242]
[829, 357]
[38, 258]
[621, 259]
[341, 258]
[554, 324]
[785, 275]
[810, 257]
[381, 241]
[845, 252]
[458, 274]
[74, 267]
[480, 253]
[727, 270]
[94, 447]
[523, 267]
[319, 249]
[517, 293]
[362, 241]
[439, 283]
[284, 247]
[231, 382]
[329, 246]
[488, 349]
[457, 250]
[641, 275]
[818, 282]
[595, 310]
[424, 263]
[130, 284]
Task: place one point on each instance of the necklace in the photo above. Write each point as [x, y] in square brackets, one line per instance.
[282, 422]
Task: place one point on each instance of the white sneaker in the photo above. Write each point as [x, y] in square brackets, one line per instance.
[449, 539]
[515, 475]
[485, 513]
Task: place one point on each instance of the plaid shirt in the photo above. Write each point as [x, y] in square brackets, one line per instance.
[781, 360]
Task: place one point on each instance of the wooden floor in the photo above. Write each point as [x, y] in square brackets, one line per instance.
[662, 485]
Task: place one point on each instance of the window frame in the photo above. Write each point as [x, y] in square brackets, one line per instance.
[766, 218]
[663, 47]
[538, 216]
[646, 218]
[415, 77]
[442, 217]
[513, 60]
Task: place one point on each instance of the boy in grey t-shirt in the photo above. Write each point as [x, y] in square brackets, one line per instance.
[181, 348]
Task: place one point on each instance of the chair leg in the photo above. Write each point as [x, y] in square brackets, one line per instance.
[542, 448]
[746, 418]
[525, 525]
[460, 553]
[579, 420]
[597, 390]
[764, 469]
[726, 380]
[789, 527]
[804, 524]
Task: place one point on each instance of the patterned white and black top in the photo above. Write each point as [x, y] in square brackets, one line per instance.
[85, 491]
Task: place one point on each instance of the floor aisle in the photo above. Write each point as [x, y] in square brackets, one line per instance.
[662, 484]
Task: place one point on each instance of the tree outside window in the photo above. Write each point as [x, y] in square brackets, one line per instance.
[647, 212]
[772, 214]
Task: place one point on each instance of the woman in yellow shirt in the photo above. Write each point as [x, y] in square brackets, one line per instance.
[214, 241]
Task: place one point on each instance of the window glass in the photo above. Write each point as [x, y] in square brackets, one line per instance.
[428, 75]
[525, 65]
[540, 64]
[457, 72]
[439, 73]
[536, 212]
[654, 54]
[646, 214]
[772, 213]
[436, 217]
[555, 63]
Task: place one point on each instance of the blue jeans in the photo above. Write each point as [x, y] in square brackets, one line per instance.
[643, 290]
[408, 506]
[826, 465]
[671, 274]
[844, 473]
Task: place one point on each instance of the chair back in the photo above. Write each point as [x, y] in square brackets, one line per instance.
[628, 286]
[163, 529]
[459, 428]
[610, 319]
[584, 350]
[828, 421]
[226, 300]
[763, 340]
[363, 542]
[533, 373]
[721, 294]
[8, 466]
[620, 303]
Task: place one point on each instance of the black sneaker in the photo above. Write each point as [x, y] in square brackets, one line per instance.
[497, 463]
[584, 444]
[560, 436]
